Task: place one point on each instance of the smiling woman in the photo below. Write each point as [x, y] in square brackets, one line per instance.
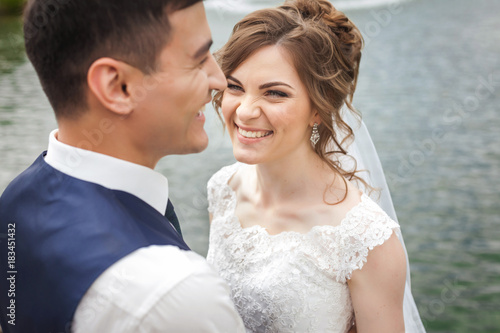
[329, 84]
[267, 109]
[303, 249]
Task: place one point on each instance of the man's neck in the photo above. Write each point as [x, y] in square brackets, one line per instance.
[104, 135]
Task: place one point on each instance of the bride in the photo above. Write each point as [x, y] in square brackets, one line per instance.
[302, 247]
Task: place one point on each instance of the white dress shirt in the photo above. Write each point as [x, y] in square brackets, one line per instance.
[153, 289]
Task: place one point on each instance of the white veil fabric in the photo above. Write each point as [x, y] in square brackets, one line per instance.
[365, 154]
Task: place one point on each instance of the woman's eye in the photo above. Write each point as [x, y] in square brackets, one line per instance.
[277, 93]
[234, 87]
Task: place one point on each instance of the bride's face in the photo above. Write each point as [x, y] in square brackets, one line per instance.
[267, 109]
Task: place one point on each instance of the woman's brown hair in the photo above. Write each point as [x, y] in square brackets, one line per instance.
[325, 47]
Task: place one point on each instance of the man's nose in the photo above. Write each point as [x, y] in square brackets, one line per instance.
[217, 80]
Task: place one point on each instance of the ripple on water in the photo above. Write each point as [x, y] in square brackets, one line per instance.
[414, 73]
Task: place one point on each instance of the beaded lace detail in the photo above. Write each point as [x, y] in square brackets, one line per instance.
[291, 282]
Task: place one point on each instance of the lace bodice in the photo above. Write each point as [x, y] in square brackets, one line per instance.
[291, 282]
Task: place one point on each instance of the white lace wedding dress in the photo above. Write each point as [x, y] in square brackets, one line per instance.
[291, 282]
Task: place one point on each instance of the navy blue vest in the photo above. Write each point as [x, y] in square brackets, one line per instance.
[57, 235]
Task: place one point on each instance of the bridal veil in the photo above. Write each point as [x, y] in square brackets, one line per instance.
[365, 154]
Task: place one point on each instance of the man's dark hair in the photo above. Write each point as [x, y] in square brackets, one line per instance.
[64, 37]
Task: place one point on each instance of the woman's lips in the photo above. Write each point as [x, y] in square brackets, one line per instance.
[253, 133]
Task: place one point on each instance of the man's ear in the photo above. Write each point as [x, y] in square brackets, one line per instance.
[110, 80]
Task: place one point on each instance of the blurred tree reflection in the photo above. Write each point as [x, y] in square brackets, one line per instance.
[11, 7]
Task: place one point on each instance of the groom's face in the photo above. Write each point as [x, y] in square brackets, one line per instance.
[171, 113]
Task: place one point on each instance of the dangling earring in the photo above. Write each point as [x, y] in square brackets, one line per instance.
[315, 135]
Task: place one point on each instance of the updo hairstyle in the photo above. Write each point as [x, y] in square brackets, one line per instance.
[325, 48]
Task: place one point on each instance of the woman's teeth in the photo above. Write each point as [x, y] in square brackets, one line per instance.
[250, 134]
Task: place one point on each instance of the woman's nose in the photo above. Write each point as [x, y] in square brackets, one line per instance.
[248, 109]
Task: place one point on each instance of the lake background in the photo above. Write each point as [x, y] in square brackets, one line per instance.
[429, 92]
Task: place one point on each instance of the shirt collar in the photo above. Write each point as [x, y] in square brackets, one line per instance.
[110, 172]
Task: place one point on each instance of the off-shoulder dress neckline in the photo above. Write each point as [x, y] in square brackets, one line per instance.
[262, 230]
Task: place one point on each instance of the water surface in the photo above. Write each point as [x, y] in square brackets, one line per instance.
[434, 121]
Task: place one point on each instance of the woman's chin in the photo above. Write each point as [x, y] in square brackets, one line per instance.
[246, 157]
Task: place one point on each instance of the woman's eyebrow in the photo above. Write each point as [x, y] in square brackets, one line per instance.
[234, 79]
[274, 84]
[263, 86]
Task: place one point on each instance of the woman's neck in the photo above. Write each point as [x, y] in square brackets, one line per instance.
[298, 177]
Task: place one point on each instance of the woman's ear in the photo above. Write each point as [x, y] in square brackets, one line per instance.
[315, 118]
[109, 80]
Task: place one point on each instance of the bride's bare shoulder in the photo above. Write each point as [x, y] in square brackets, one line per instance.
[344, 193]
[348, 197]
[354, 195]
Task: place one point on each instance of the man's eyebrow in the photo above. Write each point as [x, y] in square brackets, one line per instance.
[274, 84]
[203, 50]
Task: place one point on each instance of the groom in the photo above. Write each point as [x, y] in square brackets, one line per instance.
[93, 244]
